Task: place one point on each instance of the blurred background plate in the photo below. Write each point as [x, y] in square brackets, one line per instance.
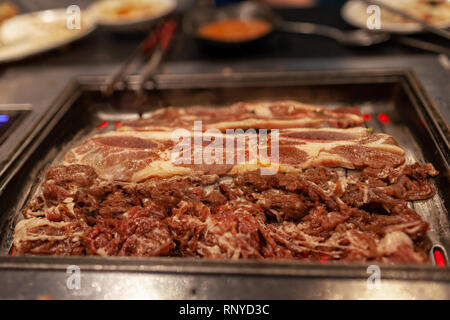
[33, 33]
[355, 13]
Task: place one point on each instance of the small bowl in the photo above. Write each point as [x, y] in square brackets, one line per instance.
[247, 10]
[129, 22]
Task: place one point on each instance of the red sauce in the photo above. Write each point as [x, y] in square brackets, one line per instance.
[235, 30]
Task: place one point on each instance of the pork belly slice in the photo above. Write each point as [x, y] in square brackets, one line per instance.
[137, 156]
[269, 115]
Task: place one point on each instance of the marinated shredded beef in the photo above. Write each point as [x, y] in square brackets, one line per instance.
[313, 215]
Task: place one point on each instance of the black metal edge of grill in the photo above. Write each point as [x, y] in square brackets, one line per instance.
[433, 122]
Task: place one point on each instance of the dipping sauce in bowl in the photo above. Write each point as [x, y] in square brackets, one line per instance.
[235, 30]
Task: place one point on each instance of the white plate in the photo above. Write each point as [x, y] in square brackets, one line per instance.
[104, 11]
[354, 12]
[33, 33]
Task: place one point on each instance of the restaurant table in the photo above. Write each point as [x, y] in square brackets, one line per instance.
[37, 82]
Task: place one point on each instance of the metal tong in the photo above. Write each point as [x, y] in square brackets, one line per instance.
[154, 46]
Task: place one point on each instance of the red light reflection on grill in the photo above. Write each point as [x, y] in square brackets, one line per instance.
[366, 117]
[383, 117]
[439, 257]
[117, 124]
[102, 125]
